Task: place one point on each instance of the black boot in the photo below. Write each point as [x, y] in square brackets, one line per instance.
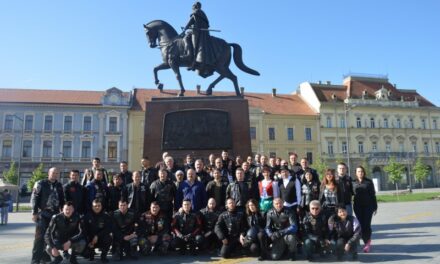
[73, 259]
[57, 260]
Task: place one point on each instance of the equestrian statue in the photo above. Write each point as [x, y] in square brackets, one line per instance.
[195, 49]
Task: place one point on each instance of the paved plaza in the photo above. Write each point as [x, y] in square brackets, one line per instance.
[402, 233]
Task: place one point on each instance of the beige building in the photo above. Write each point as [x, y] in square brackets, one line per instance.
[279, 124]
[369, 120]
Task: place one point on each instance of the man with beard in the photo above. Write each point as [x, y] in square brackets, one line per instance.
[116, 192]
[210, 216]
[97, 189]
[125, 238]
[97, 226]
[201, 175]
[126, 175]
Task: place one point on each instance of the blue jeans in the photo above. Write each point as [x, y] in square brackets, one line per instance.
[4, 213]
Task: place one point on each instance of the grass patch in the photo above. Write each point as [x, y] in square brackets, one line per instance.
[22, 208]
[407, 197]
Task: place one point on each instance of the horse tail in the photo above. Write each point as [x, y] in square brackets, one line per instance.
[238, 54]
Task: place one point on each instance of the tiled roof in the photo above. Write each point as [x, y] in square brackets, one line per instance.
[281, 104]
[50, 96]
[355, 87]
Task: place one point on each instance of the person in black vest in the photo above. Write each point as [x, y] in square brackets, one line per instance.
[154, 231]
[63, 234]
[255, 239]
[201, 175]
[163, 192]
[281, 227]
[125, 238]
[47, 200]
[187, 229]
[126, 175]
[148, 173]
[345, 232]
[364, 204]
[89, 173]
[315, 231]
[230, 228]
[217, 189]
[97, 189]
[239, 190]
[116, 192]
[76, 193]
[346, 184]
[97, 226]
[137, 194]
[290, 191]
[209, 216]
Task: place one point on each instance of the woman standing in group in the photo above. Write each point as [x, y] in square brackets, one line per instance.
[330, 194]
[364, 205]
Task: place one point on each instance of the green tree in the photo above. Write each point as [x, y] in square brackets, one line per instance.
[320, 166]
[395, 171]
[421, 171]
[11, 175]
[37, 174]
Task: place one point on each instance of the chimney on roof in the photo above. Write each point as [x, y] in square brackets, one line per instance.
[395, 85]
[328, 82]
[319, 82]
[242, 90]
[274, 92]
[198, 87]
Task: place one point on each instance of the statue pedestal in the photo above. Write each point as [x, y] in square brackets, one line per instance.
[198, 126]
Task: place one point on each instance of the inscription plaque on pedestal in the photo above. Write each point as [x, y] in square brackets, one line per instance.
[197, 126]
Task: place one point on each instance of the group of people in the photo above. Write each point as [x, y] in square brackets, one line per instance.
[5, 204]
[267, 207]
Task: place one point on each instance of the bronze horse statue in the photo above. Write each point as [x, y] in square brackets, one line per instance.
[174, 49]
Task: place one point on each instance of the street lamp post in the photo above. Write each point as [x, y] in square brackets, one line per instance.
[346, 109]
[19, 160]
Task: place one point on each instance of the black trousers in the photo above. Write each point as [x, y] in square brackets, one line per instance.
[227, 250]
[339, 244]
[41, 226]
[364, 214]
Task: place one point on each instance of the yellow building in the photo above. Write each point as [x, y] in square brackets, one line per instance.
[279, 124]
[368, 120]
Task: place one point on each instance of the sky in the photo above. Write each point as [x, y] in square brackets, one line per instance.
[96, 45]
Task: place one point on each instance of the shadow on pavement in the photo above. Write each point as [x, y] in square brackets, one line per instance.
[381, 227]
[374, 258]
[12, 228]
[390, 235]
[399, 248]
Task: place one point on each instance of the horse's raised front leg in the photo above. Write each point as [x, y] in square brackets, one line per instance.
[176, 70]
[162, 66]
[213, 84]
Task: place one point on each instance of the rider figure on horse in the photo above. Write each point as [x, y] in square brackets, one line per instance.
[199, 49]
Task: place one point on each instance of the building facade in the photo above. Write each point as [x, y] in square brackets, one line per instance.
[62, 128]
[368, 120]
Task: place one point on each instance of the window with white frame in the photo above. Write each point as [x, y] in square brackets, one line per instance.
[423, 123]
[425, 147]
[401, 147]
[67, 149]
[28, 123]
[434, 124]
[7, 148]
[86, 149]
[411, 123]
[67, 128]
[48, 123]
[398, 123]
[361, 147]
[342, 122]
[9, 122]
[358, 122]
[374, 146]
[308, 134]
[27, 149]
[112, 152]
[344, 147]
[437, 147]
[271, 133]
[113, 124]
[47, 149]
[87, 123]
[388, 146]
[385, 123]
[330, 147]
[329, 122]
[414, 147]
[372, 123]
[253, 131]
